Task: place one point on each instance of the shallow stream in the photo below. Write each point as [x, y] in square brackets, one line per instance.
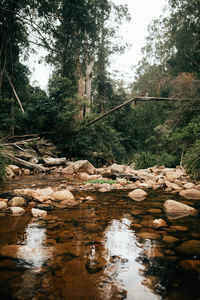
[102, 249]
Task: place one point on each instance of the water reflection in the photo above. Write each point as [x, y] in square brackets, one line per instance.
[122, 248]
[33, 252]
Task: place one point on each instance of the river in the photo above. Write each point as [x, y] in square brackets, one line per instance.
[101, 249]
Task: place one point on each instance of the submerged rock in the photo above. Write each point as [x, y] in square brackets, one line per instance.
[175, 210]
[191, 247]
[138, 195]
[191, 265]
[157, 223]
[170, 239]
[149, 235]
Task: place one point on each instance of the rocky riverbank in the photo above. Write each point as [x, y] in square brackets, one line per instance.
[136, 185]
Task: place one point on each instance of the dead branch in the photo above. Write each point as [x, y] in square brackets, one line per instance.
[22, 163]
[16, 96]
[135, 100]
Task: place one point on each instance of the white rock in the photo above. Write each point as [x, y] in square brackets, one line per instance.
[15, 210]
[176, 209]
[190, 194]
[38, 212]
[62, 195]
[3, 205]
[17, 201]
[138, 195]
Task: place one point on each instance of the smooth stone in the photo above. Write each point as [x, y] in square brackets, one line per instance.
[27, 172]
[157, 223]
[84, 166]
[62, 195]
[84, 176]
[89, 198]
[69, 203]
[177, 228]
[154, 210]
[176, 209]
[138, 195]
[17, 201]
[3, 205]
[38, 212]
[191, 247]
[190, 194]
[149, 235]
[16, 210]
[189, 185]
[170, 239]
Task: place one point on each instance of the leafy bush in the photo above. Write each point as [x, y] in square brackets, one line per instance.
[191, 160]
[145, 160]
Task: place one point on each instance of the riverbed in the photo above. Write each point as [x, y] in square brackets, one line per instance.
[102, 249]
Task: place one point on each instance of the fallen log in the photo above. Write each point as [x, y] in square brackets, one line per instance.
[25, 164]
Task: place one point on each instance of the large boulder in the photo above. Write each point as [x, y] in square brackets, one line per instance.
[17, 201]
[190, 194]
[175, 210]
[138, 195]
[62, 195]
[50, 161]
[84, 166]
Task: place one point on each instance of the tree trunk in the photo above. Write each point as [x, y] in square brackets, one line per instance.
[88, 86]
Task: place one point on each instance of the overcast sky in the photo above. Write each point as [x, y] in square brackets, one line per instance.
[142, 13]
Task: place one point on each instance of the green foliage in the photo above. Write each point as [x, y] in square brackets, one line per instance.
[191, 160]
[3, 162]
[101, 181]
[143, 160]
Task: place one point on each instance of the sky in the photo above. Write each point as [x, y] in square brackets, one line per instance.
[142, 13]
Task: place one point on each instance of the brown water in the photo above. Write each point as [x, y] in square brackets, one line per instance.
[95, 251]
